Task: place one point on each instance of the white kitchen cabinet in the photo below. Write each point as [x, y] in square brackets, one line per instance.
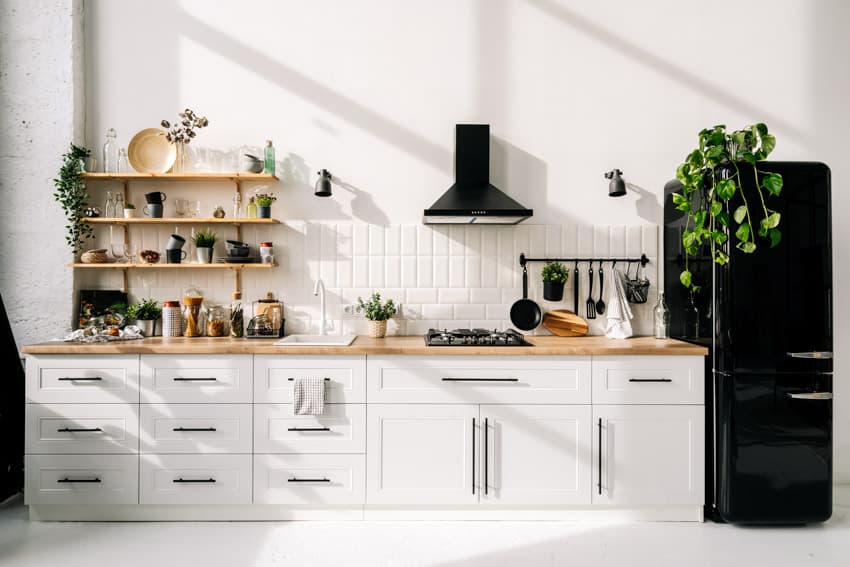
[645, 455]
[422, 454]
[209, 378]
[82, 479]
[648, 379]
[195, 479]
[535, 454]
[67, 379]
[340, 429]
[80, 429]
[195, 428]
[345, 377]
[310, 480]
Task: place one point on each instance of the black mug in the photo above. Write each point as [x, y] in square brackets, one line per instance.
[155, 198]
[174, 255]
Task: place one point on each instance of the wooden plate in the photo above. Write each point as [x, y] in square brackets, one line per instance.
[150, 152]
[564, 323]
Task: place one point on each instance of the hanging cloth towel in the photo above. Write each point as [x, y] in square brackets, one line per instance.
[308, 396]
[619, 324]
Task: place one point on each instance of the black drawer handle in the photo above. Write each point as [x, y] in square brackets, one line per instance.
[480, 379]
[80, 379]
[296, 479]
[194, 429]
[182, 379]
[193, 480]
[308, 429]
[650, 379]
[94, 480]
[293, 379]
[79, 430]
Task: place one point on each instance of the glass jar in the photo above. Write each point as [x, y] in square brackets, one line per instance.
[216, 321]
[172, 319]
[193, 300]
[123, 161]
[662, 318]
[110, 152]
[109, 206]
[237, 318]
[218, 212]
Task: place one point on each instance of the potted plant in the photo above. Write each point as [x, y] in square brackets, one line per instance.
[146, 313]
[555, 275]
[264, 204]
[129, 211]
[711, 177]
[204, 242]
[71, 194]
[377, 313]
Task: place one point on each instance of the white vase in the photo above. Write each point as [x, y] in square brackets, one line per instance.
[129, 213]
[204, 254]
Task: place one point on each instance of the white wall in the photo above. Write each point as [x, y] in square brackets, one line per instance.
[371, 91]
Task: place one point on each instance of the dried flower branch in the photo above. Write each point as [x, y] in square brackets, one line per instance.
[184, 130]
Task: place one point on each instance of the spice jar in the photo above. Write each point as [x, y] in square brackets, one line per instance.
[266, 253]
[192, 301]
[216, 321]
[172, 319]
[237, 323]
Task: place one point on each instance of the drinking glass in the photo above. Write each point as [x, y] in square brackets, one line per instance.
[196, 212]
[129, 253]
[181, 207]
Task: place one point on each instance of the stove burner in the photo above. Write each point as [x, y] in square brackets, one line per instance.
[474, 337]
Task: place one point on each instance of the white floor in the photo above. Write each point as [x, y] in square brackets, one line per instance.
[343, 544]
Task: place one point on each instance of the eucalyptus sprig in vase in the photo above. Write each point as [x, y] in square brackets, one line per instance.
[377, 312]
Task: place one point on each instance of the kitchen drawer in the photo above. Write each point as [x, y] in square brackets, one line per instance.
[100, 379]
[341, 429]
[82, 428]
[274, 376]
[479, 379]
[309, 480]
[648, 379]
[222, 379]
[195, 479]
[82, 479]
[195, 428]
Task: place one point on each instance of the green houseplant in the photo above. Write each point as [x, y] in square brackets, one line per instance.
[129, 211]
[377, 312]
[715, 202]
[264, 204]
[554, 275]
[71, 194]
[204, 242]
[145, 312]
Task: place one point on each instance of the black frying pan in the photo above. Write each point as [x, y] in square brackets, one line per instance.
[525, 313]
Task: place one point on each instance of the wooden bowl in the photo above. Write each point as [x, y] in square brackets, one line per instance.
[97, 256]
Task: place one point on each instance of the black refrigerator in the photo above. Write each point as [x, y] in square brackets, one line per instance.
[767, 321]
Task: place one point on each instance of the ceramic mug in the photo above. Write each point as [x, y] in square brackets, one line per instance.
[155, 198]
[153, 210]
[174, 255]
[175, 242]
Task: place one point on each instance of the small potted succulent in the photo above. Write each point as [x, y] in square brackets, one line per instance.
[129, 211]
[204, 242]
[377, 313]
[555, 275]
[146, 313]
[264, 204]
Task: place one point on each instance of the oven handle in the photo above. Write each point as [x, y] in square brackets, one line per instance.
[811, 396]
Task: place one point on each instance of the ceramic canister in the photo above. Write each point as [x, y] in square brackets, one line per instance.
[172, 319]
[266, 253]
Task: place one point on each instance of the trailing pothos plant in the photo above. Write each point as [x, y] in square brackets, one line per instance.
[71, 194]
[711, 176]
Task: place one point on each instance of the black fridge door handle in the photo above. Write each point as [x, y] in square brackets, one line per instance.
[599, 458]
[813, 354]
[811, 396]
[473, 455]
[486, 464]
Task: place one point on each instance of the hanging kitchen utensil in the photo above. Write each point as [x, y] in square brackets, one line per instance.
[564, 323]
[525, 313]
[590, 304]
[600, 304]
[637, 286]
[575, 288]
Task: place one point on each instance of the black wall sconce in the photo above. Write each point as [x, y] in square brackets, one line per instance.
[616, 187]
[323, 184]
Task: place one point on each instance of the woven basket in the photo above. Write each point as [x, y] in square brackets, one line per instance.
[378, 329]
[97, 256]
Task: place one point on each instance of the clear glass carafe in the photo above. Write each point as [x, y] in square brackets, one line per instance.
[110, 152]
[662, 318]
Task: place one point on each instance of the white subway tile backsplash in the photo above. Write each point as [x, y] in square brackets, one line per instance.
[408, 240]
[451, 296]
[472, 266]
[424, 271]
[344, 240]
[457, 240]
[376, 271]
[424, 240]
[376, 240]
[441, 271]
[393, 271]
[437, 311]
[470, 311]
[393, 240]
[537, 244]
[421, 295]
[498, 311]
[457, 271]
[361, 271]
[408, 272]
[485, 295]
[361, 239]
[441, 240]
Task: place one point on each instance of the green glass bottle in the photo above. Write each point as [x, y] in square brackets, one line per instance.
[268, 158]
[252, 208]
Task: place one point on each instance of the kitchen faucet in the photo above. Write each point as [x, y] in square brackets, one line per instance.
[323, 325]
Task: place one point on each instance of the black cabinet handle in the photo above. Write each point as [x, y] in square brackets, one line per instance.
[599, 458]
[182, 379]
[94, 480]
[193, 480]
[486, 464]
[308, 429]
[79, 430]
[194, 429]
[80, 379]
[480, 379]
[473, 455]
[296, 479]
[293, 379]
[650, 379]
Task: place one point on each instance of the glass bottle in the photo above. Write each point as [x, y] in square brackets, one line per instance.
[109, 206]
[123, 162]
[268, 158]
[691, 319]
[119, 204]
[110, 152]
[237, 320]
[252, 208]
[237, 205]
[662, 318]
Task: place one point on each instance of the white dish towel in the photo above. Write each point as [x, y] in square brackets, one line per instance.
[619, 313]
[308, 395]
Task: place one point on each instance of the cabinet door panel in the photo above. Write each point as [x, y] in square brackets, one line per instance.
[651, 455]
[225, 379]
[100, 379]
[648, 379]
[536, 454]
[421, 454]
[274, 376]
[82, 428]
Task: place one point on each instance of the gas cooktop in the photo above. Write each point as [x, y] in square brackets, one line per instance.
[474, 337]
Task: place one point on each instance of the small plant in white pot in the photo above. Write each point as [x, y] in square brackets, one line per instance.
[129, 211]
[204, 242]
[377, 313]
[146, 313]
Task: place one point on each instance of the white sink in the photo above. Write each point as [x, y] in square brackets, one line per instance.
[316, 340]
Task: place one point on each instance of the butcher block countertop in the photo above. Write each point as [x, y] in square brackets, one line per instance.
[543, 345]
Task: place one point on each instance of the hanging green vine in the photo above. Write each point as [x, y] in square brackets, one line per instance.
[71, 194]
[710, 177]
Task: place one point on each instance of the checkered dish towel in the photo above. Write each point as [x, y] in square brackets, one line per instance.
[308, 396]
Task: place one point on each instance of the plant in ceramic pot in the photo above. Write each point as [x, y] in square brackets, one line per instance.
[264, 204]
[204, 242]
[129, 211]
[377, 312]
[71, 194]
[146, 313]
[555, 275]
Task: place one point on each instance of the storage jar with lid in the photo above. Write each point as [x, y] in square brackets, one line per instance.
[193, 300]
[172, 319]
[216, 321]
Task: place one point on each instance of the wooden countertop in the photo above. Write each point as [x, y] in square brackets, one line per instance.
[543, 345]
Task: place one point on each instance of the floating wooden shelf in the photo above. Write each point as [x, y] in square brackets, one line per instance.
[182, 176]
[181, 266]
[178, 220]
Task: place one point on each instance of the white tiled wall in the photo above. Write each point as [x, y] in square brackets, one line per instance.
[443, 276]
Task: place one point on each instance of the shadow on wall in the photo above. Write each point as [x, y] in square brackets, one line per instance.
[647, 206]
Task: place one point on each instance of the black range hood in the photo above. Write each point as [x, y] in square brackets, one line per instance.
[472, 199]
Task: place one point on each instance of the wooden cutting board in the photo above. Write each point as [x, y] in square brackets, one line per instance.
[564, 323]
